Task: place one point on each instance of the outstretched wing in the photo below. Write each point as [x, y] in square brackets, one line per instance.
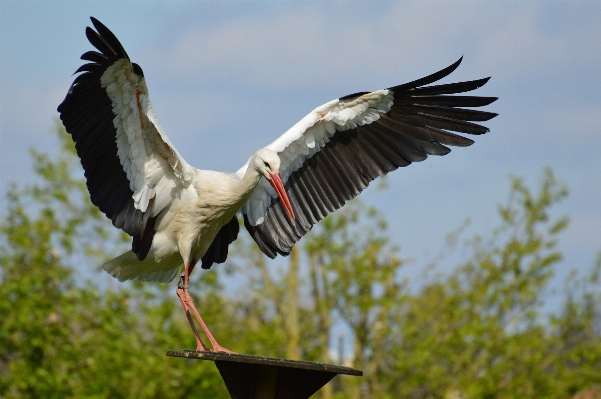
[133, 172]
[333, 153]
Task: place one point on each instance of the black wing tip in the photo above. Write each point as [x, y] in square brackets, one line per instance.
[265, 246]
[100, 27]
[467, 143]
[352, 96]
[456, 64]
[90, 32]
[96, 22]
[492, 115]
[107, 51]
[430, 78]
[489, 100]
[451, 68]
[483, 131]
[107, 38]
[484, 81]
[480, 82]
[137, 69]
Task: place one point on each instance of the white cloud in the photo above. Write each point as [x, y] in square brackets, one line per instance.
[312, 46]
[317, 45]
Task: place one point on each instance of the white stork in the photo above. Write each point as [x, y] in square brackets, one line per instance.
[179, 214]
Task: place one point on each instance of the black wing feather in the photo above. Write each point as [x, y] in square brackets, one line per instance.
[420, 123]
[217, 252]
[87, 115]
[94, 56]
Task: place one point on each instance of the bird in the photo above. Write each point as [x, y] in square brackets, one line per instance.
[177, 214]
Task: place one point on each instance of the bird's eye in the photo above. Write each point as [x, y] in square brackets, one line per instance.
[266, 165]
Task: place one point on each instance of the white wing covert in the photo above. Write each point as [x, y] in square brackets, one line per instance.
[333, 153]
[132, 170]
[309, 135]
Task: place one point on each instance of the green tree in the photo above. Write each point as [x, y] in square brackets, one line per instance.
[344, 271]
[61, 338]
[477, 330]
[474, 330]
[354, 279]
[577, 333]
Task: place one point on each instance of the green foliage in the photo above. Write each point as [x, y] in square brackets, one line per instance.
[63, 339]
[477, 330]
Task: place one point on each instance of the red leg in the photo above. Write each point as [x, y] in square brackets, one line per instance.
[186, 300]
[200, 346]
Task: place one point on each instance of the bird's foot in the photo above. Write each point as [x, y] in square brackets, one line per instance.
[186, 300]
[219, 348]
[200, 347]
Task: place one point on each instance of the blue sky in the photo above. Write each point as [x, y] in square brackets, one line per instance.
[226, 78]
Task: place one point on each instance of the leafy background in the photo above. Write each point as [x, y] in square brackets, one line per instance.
[431, 304]
[478, 329]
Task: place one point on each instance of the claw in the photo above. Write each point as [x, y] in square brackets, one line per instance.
[220, 348]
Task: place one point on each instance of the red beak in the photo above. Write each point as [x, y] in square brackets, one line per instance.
[276, 182]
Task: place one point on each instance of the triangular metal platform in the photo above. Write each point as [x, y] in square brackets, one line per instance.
[258, 377]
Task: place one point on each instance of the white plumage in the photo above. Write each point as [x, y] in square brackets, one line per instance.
[309, 135]
[178, 214]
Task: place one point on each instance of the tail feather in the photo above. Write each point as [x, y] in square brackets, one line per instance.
[128, 267]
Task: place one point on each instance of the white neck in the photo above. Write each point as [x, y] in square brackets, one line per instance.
[246, 186]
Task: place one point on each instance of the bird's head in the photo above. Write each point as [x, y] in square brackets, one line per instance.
[267, 163]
